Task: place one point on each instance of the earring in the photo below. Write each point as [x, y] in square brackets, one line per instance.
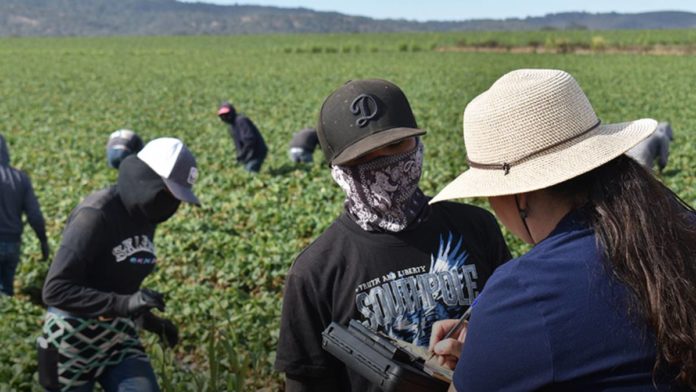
[523, 213]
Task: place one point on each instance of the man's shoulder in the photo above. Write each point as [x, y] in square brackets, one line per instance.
[18, 173]
[323, 250]
[468, 212]
[21, 184]
[99, 199]
[98, 203]
[242, 118]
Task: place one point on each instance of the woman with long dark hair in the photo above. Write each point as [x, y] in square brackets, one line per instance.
[606, 298]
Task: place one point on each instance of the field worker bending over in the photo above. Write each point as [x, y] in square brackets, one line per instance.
[121, 144]
[302, 146]
[604, 301]
[93, 286]
[16, 198]
[656, 146]
[251, 148]
[389, 259]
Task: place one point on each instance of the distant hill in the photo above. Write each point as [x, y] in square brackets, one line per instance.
[170, 17]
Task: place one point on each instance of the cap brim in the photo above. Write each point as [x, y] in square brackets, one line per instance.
[222, 111]
[374, 142]
[552, 167]
[181, 192]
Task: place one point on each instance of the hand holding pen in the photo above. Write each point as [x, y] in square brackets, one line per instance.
[447, 339]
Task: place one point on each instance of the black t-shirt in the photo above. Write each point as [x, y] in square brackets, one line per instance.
[398, 283]
[103, 258]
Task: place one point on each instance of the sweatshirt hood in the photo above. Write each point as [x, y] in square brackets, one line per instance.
[143, 191]
[4, 152]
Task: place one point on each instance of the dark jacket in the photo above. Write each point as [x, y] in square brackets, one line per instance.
[17, 197]
[247, 139]
[306, 139]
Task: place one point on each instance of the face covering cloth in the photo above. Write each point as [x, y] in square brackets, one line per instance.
[143, 191]
[383, 194]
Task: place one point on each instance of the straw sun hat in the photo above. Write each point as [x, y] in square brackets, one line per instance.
[532, 129]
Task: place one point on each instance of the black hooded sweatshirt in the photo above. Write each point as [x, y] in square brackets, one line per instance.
[17, 197]
[108, 244]
[247, 138]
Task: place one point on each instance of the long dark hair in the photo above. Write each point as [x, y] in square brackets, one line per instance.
[648, 235]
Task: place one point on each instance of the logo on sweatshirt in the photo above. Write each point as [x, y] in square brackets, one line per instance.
[133, 245]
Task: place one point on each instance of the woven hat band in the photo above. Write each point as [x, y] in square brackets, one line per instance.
[505, 166]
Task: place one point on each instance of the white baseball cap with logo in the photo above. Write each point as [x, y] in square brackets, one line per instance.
[170, 158]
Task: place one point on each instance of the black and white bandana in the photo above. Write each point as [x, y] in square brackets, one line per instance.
[383, 194]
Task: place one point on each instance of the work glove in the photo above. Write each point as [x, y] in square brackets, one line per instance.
[142, 300]
[164, 328]
[45, 251]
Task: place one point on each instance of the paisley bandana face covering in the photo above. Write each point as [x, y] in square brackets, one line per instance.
[383, 194]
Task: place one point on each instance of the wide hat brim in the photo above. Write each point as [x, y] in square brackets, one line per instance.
[553, 166]
[374, 142]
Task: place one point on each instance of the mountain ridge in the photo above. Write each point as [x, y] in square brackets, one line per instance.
[171, 17]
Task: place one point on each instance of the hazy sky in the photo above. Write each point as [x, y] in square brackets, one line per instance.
[469, 9]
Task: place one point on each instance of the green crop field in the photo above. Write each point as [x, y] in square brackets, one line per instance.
[222, 265]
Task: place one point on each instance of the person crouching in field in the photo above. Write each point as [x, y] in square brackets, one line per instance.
[93, 286]
[121, 144]
[16, 198]
[250, 146]
[606, 299]
[389, 259]
[302, 146]
[655, 147]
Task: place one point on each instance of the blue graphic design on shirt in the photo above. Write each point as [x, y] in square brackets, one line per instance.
[404, 304]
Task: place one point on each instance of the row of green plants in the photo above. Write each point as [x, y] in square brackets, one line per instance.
[354, 42]
[401, 47]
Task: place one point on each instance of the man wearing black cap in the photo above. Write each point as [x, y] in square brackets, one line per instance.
[93, 285]
[251, 148]
[390, 259]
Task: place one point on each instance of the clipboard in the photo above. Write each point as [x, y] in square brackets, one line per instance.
[382, 360]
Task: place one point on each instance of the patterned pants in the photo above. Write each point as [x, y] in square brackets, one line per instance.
[75, 351]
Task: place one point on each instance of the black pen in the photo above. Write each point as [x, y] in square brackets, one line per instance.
[465, 317]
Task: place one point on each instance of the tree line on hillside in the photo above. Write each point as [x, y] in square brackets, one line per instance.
[170, 17]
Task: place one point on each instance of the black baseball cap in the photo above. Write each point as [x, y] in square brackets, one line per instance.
[362, 116]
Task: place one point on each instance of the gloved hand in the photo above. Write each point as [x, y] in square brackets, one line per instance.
[142, 300]
[164, 328]
[45, 251]
[169, 333]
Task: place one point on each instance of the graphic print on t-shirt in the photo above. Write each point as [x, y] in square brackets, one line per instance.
[130, 247]
[405, 303]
